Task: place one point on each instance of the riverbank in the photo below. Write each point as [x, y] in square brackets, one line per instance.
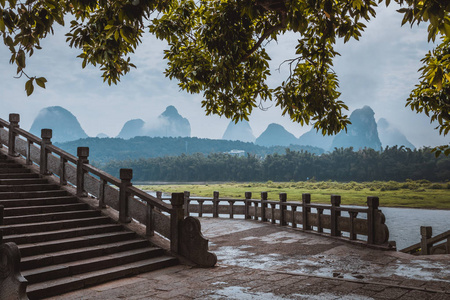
[410, 194]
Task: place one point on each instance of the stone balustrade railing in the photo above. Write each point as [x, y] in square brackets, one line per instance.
[439, 244]
[166, 219]
[365, 225]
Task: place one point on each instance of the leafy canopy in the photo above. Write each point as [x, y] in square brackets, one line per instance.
[217, 47]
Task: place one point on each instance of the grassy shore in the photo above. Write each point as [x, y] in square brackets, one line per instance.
[417, 194]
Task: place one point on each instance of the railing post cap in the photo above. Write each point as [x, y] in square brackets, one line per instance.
[283, 196]
[248, 195]
[177, 199]
[126, 174]
[14, 118]
[264, 195]
[46, 133]
[83, 151]
[426, 231]
[216, 194]
[335, 200]
[373, 202]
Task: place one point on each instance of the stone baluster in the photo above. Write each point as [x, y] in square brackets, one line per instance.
[372, 203]
[83, 154]
[46, 136]
[248, 196]
[306, 200]
[14, 120]
[150, 226]
[187, 200]
[176, 217]
[125, 182]
[319, 220]
[62, 171]
[101, 193]
[293, 208]
[353, 215]
[283, 199]
[426, 232]
[263, 206]
[216, 204]
[335, 214]
[231, 205]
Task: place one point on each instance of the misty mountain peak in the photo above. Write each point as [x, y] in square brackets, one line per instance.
[240, 131]
[361, 133]
[276, 135]
[63, 123]
[391, 136]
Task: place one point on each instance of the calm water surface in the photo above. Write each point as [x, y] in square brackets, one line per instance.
[404, 223]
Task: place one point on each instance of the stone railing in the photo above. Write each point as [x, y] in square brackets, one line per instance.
[166, 219]
[349, 223]
[12, 284]
[440, 244]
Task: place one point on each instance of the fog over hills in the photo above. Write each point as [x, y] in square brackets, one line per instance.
[364, 132]
[169, 124]
[64, 124]
[391, 136]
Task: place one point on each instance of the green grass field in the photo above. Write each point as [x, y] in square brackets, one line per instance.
[418, 194]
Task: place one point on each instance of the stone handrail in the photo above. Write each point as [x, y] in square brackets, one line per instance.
[309, 216]
[13, 285]
[440, 244]
[167, 220]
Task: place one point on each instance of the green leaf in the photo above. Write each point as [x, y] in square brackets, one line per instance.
[41, 82]
[29, 88]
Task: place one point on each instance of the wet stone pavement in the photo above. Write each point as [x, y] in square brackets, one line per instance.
[263, 261]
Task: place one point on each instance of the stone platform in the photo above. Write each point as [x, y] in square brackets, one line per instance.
[262, 261]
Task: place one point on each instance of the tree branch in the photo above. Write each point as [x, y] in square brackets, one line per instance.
[265, 36]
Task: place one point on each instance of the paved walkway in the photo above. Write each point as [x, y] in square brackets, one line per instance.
[262, 261]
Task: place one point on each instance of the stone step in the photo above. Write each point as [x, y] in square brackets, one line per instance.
[18, 175]
[10, 165]
[39, 201]
[76, 242]
[87, 265]
[32, 194]
[38, 237]
[61, 257]
[52, 226]
[63, 285]
[43, 209]
[14, 170]
[28, 188]
[49, 217]
[17, 181]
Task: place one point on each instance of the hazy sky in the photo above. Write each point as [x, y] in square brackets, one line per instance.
[380, 70]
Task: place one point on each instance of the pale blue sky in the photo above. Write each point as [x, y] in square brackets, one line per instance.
[378, 71]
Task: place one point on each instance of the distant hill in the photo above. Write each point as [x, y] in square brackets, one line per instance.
[64, 124]
[362, 133]
[276, 135]
[239, 132]
[391, 136]
[103, 150]
[316, 139]
[132, 128]
[169, 124]
[102, 135]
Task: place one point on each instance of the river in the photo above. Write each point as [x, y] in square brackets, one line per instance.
[404, 223]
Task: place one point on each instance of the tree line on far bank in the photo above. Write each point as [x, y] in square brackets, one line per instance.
[393, 163]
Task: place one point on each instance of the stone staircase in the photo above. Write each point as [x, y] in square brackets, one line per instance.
[65, 244]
